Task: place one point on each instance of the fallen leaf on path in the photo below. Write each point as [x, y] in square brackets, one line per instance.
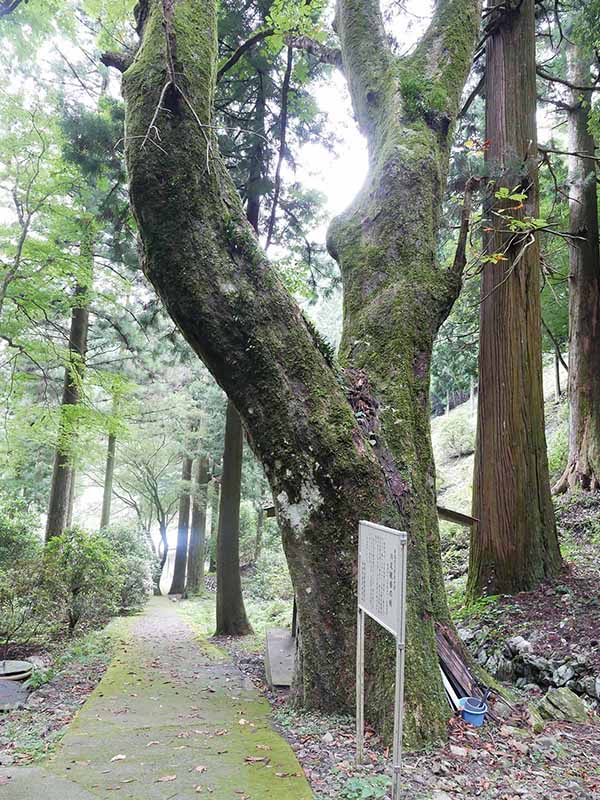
[152, 742]
[166, 778]
[119, 757]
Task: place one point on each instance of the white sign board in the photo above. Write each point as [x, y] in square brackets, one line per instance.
[381, 595]
[379, 590]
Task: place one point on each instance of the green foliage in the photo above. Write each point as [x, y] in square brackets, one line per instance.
[456, 435]
[369, 787]
[558, 443]
[422, 97]
[80, 570]
[135, 565]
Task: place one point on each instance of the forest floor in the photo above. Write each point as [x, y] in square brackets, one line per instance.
[172, 719]
[496, 762]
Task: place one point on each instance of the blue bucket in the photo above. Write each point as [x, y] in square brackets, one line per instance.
[473, 710]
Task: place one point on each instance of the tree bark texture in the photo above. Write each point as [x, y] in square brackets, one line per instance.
[514, 546]
[215, 495]
[260, 523]
[197, 548]
[583, 465]
[60, 487]
[109, 472]
[183, 526]
[231, 614]
[336, 445]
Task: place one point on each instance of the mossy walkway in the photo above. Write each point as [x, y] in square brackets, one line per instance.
[172, 719]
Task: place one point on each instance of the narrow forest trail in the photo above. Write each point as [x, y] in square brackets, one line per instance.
[172, 719]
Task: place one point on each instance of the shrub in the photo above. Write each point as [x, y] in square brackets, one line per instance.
[135, 565]
[19, 541]
[271, 579]
[81, 570]
[558, 449]
[28, 612]
[456, 436]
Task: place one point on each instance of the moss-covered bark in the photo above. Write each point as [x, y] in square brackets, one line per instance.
[336, 447]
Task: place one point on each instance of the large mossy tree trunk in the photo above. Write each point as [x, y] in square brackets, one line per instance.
[336, 446]
[197, 548]
[183, 526]
[62, 487]
[583, 465]
[514, 545]
[231, 613]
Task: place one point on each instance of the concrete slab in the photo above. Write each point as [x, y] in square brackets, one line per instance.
[12, 695]
[280, 653]
[34, 783]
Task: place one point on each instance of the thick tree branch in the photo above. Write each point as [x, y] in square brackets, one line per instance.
[324, 54]
[120, 61]
[243, 48]
[555, 79]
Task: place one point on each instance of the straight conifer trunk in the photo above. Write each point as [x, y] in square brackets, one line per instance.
[183, 524]
[62, 485]
[109, 472]
[583, 465]
[514, 546]
[231, 613]
[197, 548]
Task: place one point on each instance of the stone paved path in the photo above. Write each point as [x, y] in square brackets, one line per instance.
[172, 719]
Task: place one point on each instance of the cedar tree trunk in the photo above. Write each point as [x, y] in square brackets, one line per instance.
[583, 466]
[197, 548]
[231, 614]
[183, 524]
[60, 503]
[336, 446]
[108, 481]
[514, 546]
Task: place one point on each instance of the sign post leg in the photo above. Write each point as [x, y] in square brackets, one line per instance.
[400, 644]
[360, 685]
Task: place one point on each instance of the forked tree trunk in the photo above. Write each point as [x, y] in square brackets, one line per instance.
[183, 525]
[231, 613]
[59, 504]
[197, 548]
[583, 465]
[335, 447]
[109, 472]
[514, 545]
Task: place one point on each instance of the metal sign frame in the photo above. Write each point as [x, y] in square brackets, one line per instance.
[397, 539]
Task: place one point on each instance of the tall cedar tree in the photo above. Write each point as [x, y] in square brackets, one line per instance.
[231, 613]
[183, 526]
[197, 548]
[336, 445]
[60, 504]
[514, 545]
[583, 465]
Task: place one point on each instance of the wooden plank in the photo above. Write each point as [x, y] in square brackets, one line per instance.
[280, 654]
[454, 516]
[443, 513]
